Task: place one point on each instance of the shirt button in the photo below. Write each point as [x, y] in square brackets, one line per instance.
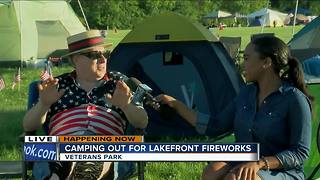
[264, 102]
[270, 113]
[250, 130]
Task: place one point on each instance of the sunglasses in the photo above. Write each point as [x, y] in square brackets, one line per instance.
[96, 54]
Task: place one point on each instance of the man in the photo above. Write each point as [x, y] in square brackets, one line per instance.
[86, 101]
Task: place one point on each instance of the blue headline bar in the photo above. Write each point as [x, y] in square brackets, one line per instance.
[157, 148]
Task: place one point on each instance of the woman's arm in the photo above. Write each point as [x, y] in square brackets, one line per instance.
[299, 120]
[186, 113]
[204, 123]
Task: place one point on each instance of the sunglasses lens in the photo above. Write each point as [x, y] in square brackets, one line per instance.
[94, 55]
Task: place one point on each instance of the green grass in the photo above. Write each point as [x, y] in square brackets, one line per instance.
[13, 105]
[285, 33]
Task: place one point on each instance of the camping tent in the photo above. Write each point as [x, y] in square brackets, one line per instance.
[311, 69]
[175, 56]
[267, 17]
[31, 30]
[305, 44]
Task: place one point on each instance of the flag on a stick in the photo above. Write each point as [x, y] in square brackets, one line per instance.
[16, 78]
[46, 73]
[2, 83]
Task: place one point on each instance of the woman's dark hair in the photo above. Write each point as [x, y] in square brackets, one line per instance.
[288, 67]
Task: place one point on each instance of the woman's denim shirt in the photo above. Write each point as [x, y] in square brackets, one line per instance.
[282, 125]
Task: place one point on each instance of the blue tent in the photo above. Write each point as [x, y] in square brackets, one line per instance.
[311, 68]
[180, 58]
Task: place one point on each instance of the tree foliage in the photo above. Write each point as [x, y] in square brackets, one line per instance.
[124, 14]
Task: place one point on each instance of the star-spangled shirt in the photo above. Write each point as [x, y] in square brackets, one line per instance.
[79, 110]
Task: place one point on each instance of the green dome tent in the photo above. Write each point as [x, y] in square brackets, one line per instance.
[31, 30]
[175, 56]
[305, 44]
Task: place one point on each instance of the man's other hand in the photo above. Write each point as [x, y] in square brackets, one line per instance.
[121, 96]
[48, 92]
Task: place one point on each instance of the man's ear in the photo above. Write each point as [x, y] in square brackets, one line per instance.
[72, 60]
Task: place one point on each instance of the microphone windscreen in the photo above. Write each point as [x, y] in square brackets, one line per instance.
[133, 84]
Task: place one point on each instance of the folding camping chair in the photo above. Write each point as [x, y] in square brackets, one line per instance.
[12, 169]
[126, 169]
[255, 36]
[232, 45]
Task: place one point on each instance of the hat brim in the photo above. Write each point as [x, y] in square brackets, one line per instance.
[87, 49]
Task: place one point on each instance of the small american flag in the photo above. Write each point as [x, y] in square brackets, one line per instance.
[45, 74]
[16, 79]
[2, 83]
[17, 76]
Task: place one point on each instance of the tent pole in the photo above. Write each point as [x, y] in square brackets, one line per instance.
[264, 19]
[84, 16]
[295, 17]
[21, 50]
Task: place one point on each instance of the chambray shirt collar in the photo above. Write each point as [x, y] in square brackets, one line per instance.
[285, 86]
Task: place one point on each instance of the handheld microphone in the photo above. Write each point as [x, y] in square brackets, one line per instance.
[166, 112]
[141, 91]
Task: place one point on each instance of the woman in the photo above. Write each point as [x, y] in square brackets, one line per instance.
[274, 110]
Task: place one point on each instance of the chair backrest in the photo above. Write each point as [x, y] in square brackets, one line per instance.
[33, 97]
[232, 45]
[33, 94]
[255, 36]
[11, 169]
[318, 138]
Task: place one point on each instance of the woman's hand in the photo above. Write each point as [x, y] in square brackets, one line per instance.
[121, 96]
[246, 171]
[166, 99]
[49, 93]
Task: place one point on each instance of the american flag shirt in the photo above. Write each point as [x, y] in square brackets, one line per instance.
[78, 110]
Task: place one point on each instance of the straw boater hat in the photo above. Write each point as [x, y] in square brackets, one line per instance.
[85, 41]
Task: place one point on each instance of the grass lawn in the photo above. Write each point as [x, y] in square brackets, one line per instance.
[13, 107]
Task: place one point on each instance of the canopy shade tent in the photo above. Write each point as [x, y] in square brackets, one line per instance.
[184, 60]
[267, 17]
[218, 14]
[305, 44]
[31, 30]
[300, 10]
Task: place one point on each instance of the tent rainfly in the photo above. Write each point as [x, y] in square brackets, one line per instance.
[305, 44]
[31, 30]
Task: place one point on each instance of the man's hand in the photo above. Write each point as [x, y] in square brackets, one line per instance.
[121, 96]
[246, 171]
[48, 92]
